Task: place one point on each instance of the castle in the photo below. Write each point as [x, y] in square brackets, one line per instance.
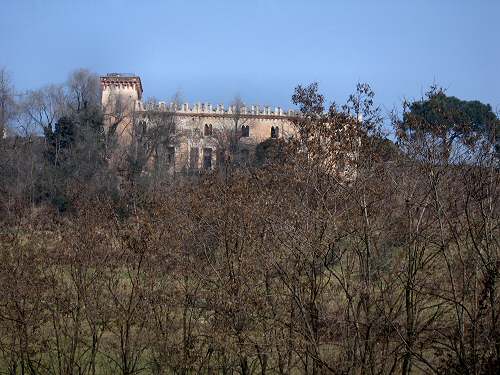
[200, 135]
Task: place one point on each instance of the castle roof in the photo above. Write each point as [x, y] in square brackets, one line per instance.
[123, 79]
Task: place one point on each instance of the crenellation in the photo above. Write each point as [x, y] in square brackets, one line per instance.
[201, 127]
[219, 109]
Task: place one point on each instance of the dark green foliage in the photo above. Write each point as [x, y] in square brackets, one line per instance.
[75, 152]
[59, 140]
[269, 151]
[442, 114]
[448, 119]
[380, 148]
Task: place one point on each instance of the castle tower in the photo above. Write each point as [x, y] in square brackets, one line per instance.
[121, 99]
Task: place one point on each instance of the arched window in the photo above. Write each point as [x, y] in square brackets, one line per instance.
[208, 130]
[275, 132]
[245, 131]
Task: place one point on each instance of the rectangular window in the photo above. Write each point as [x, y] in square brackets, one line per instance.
[220, 157]
[170, 155]
[275, 131]
[207, 158]
[194, 155]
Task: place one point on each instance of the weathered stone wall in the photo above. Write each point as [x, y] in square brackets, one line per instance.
[121, 99]
[194, 146]
[192, 134]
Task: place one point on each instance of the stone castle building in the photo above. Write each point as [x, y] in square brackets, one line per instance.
[200, 135]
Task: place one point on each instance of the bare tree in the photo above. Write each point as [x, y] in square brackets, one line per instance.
[231, 128]
[84, 90]
[45, 106]
[154, 137]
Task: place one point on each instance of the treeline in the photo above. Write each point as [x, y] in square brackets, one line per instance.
[389, 264]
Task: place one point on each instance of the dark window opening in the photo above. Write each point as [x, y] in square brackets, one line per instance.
[220, 157]
[245, 131]
[170, 155]
[142, 127]
[275, 132]
[208, 130]
[207, 158]
[193, 158]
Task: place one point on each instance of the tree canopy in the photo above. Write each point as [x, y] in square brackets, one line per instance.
[448, 119]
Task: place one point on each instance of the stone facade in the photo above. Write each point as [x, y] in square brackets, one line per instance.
[121, 99]
[202, 130]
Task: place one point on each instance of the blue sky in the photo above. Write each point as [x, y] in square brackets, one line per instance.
[261, 49]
